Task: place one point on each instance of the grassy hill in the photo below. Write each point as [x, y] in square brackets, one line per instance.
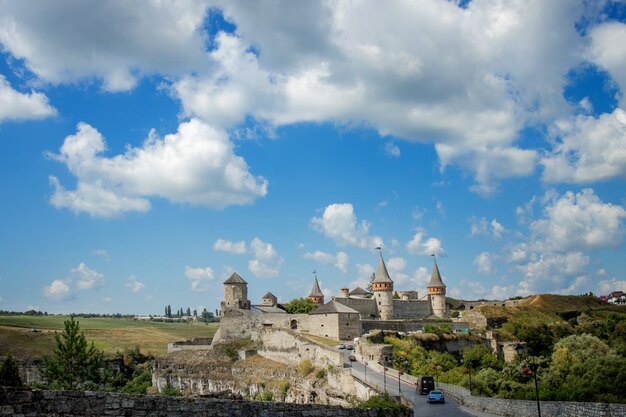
[18, 337]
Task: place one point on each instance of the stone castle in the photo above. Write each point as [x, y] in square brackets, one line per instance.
[342, 318]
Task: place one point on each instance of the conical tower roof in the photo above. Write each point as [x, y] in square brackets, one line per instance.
[381, 273]
[315, 291]
[435, 278]
[235, 279]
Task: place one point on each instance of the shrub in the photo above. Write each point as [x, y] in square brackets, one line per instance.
[320, 374]
[382, 402]
[264, 396]
[10, 373]
[171, 391]
[305, 367]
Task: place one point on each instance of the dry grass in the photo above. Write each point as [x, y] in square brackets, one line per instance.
[109, 335]
[322, 340]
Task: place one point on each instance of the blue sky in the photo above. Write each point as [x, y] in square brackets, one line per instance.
[150, 151]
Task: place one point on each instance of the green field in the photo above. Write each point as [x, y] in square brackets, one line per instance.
[109, 334]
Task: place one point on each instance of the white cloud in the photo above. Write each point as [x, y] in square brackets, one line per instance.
[200, 278]
[392, 149]
[579, 221]
[236, 248]
[480, 226]
[606, 287]
[606, 49]
[484, 263]
[58, 290]
[590, 149]
[363, 275]
[339, 223]
[551, 272]
[497, 229]
[417, 246]
[18, 106]
[134, 285]
[266, 262]
[67, 41]
[381, 64]
[86, 277]
[196, 165]
[102, 253]
[340, 260]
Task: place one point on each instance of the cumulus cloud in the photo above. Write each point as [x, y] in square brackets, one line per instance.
[235, 248]
[484, 263]
[363, 275]
[419, 246]
[344, 67]
[134, 285]
[605, 49]
[579, 221]
[590, 149]
[607, 286]
[86, 277]
[340, 260]
[392, 149]
[350, 63]
[19, 106]
[58, 290]
[200, 278]
[196, 165]
[339, 223]
[266, 262]
[480, 226]
[121, 39]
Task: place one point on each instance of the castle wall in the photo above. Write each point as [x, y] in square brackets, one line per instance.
[384, 303]
[411, 309]
[341, 326]
[365, 306]
[290, 348]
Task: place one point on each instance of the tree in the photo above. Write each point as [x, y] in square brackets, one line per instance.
[188, 312]
[300, 306]
[10, 373]
[74, 363]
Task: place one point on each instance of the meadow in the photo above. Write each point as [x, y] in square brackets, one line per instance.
[33, 336]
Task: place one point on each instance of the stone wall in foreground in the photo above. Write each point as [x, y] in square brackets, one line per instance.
[15, 402]
[523, 408]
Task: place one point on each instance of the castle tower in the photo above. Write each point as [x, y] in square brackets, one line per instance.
[235, 293]
[382, 286]
[316, 294]
[437, 293]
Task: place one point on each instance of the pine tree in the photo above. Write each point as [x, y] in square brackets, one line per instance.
[10, 373]
[73, 362]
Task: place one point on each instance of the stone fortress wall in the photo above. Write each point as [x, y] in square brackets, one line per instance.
[15, 402]
[411, 309]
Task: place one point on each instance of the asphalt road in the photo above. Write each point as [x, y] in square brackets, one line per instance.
[422, 407]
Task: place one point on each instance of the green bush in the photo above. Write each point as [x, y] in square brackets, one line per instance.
[10, 373]
[320, 374]
[171, 391]
[264, 396]
[382, 402]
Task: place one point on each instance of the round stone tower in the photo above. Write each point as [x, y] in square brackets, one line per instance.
[382, 286]
[437, 293]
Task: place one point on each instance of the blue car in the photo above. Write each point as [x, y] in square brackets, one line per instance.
[436, 396]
